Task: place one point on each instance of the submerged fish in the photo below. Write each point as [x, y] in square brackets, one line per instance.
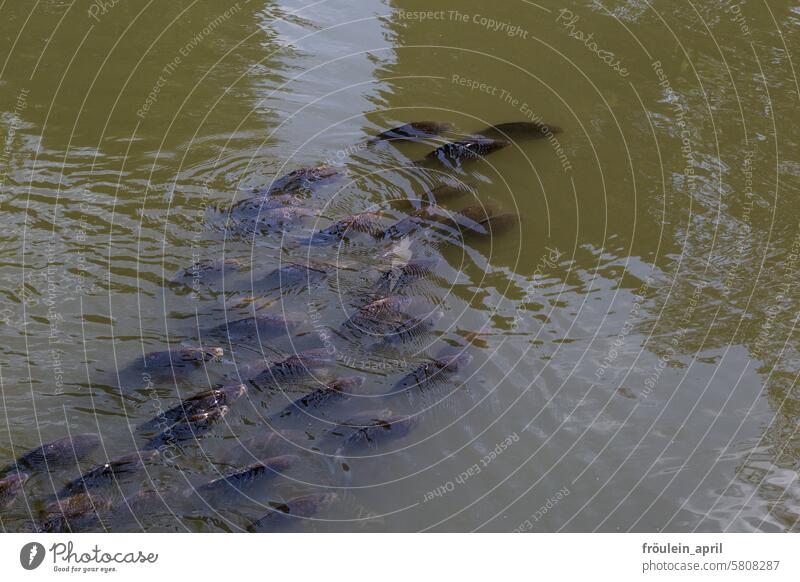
[252, 476]
[408, 330]
[10, 486]
[188, 407]
[108, 474]
[432, 372]
[362, 222]
[292, 275]
[160, 365]
[347, 429]
[189, 428]
[373, 435]
[375, 316]
[210, 271]
[414, 131]
[59, 454]
[336, 391]
[455, 152]
[263, 326]
[76, 513]
[273, 220]
[398, 278]
[286, 514]
[270, 444]
[518, 129]
[304, 179]
[295, 366]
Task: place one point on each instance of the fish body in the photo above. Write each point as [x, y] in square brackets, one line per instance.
[362, 222]
[432, 372]
[520, 129]
[453, 153]
[295, 366]
[107, 474]
[373, 435]
[414, 131]
[262, 326]
[59, 454]
[398, 278]
[10, 486]
[188, 407]
[336, 391]
[243, 481]
[286, 514]
[189, 428]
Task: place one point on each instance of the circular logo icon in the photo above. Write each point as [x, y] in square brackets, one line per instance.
[31, 555]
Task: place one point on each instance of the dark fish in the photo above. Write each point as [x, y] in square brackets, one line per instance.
[252, 207]
[362, 222]
[273, 220]
[399, 277]
[263, 326]
[432, 372]
[336, 391]
[76, 514]
[160, 365]
[270, 444]
[377, 315]
[439, 219]
[414, 131]
[455, 152]
[210, 271]
[295, 366]
[347, 429]
[226, 395]
[373, 435]
[408, 330]
[286, 514]
[449, 190]
[518, 129]
[305, 179]
[10, 486]
[189, 428]
[60, 454]
[497, 224]
[244, 481]
[290, 275]
[108, 474]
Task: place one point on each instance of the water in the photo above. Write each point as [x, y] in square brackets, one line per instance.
[634, 354]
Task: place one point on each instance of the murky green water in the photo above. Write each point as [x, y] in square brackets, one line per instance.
[634, 352]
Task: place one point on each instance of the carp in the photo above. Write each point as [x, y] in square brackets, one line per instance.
[225, 395]
[336, 391]
[286, 514]
[59, 454]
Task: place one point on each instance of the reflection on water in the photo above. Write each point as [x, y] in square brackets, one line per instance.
[631, 348]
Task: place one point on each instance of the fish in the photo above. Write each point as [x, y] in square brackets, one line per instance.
[362, 222]
[10, 486]
[397, 278]
[76, 513]
[189, 428]
[450, 189]
[263, 326]
[245, 480]
[336, 391]
[408, 330]
[345, 430]
[290, 275]
[160, 365]
[225, 395]
[273, 220]
[519, 129]
[62, 453]
[304, 179]
[432, 372]
[271, 443]
[295, 366]
[210, 271]
[453, 153]
[439, 219]
[378, 314]
[414, 131]
[108, 474]
[252, 207]
[290, 512]
[373, 435]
